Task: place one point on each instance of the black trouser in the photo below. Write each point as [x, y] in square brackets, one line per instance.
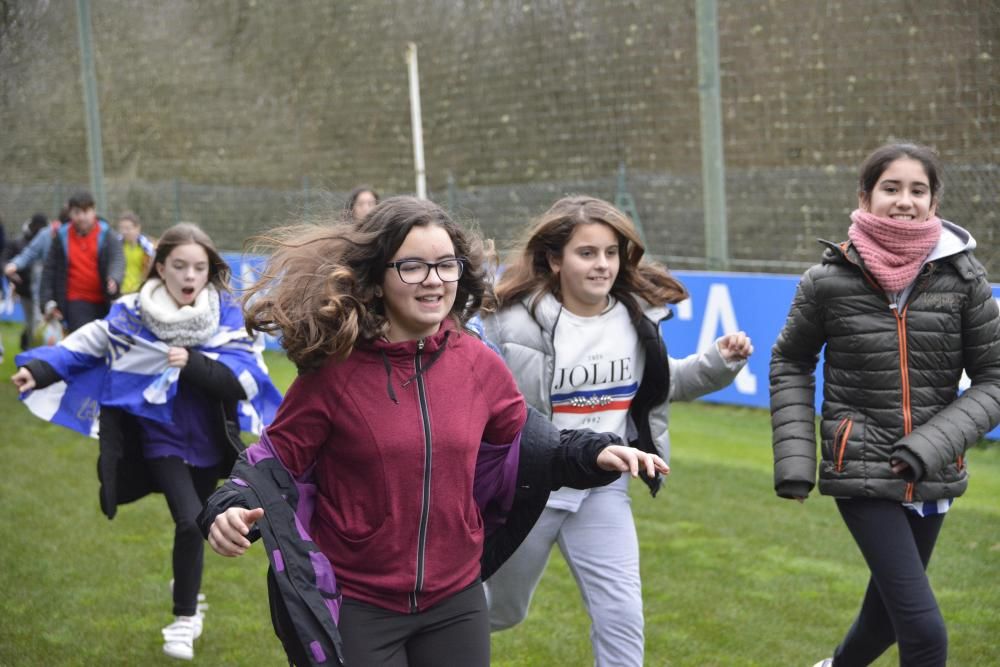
[30, 321]
[186, 489]
[79, 313]
[453, 632]
[899, 605]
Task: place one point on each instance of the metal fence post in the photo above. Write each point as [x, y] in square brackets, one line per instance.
[713, 170]
[93, 114]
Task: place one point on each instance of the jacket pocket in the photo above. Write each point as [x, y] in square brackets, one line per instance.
[843, 441]
[840, 439]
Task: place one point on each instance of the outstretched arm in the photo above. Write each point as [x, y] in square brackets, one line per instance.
[228, 534]
[631, 460]
[710, 370]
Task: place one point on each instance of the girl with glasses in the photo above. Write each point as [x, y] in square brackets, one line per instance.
[424, 465]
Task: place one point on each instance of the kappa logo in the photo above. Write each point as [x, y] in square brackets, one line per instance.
[943, 302]
[88, 410]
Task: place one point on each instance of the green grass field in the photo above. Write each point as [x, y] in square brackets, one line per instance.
[732, 575]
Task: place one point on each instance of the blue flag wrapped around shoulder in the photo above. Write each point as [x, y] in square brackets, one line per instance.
[118, 362]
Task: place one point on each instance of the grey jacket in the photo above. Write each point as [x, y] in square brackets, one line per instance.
[892, 366]
[526, 342]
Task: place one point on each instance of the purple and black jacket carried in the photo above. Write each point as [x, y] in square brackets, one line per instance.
[512, 485]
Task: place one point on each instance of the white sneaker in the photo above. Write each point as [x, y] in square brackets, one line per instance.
[199, 614]
[179, 636]
[824, 663]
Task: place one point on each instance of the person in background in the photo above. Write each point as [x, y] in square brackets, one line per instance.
[166, 380]
[138, 250]
[23, 279]
[899, 310]
[577, 316]
[35, 253]
[409, 431]
[84, 267]
[360, 201]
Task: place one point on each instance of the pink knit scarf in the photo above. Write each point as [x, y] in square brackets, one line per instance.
[893, 250]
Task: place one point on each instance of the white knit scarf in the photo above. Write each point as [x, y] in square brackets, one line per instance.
[183, 326]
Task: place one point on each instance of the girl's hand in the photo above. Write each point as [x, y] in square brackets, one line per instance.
[631, 460]
[735, 346]
[899, 467]
[177, 357]
[23, 380]
[227, 536]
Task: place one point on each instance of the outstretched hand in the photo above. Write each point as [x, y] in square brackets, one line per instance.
[735, 346]
[631, 460]
[23, 380]
[227, 536]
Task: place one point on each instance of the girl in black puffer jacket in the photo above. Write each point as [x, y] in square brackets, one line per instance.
[903, 308]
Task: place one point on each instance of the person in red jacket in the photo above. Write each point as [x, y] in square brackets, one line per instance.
[393, 404]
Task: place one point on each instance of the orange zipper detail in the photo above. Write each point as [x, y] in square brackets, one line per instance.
[908, 496]
[961, 462]
[904, 370]
[840, 438]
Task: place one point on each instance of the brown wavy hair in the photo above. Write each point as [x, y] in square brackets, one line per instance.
[528, 272]
[318, 289]
[184, 233]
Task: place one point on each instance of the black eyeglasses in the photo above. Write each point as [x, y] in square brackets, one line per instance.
[415, 271]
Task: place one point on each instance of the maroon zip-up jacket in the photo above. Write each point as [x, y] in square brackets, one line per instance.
[391, 436]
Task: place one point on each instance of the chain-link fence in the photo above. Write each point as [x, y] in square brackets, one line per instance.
[242, 115]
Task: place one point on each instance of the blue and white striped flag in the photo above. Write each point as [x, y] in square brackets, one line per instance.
[118, 362]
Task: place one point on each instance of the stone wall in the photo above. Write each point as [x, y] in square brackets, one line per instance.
[238, 113]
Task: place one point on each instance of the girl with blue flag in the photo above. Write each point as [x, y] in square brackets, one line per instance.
[165, 381]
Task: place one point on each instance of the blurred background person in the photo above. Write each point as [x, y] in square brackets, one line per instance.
[138, 250]
[359, 202]
[84, 267]
[21, 273]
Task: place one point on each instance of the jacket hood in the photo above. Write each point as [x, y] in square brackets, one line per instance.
[401, 352]
[954, 240]
[408, 348]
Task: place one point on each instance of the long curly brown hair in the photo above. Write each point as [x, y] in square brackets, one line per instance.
[528, 271]
[319, 287]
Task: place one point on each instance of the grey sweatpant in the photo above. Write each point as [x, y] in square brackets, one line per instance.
[600, 545]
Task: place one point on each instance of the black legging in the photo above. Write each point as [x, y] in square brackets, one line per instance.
[899, 605]
[186, 489]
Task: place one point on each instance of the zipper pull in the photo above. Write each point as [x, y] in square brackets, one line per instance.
[420, 345]
[893, 306]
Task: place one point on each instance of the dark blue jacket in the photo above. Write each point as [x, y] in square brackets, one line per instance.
[110, 263]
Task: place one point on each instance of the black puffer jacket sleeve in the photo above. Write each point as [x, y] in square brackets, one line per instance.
[944, 438]
[793, 393]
